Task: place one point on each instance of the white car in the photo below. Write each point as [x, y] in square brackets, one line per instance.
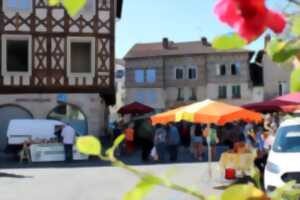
[283, 164]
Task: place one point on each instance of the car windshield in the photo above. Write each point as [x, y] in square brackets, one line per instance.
[288, 139]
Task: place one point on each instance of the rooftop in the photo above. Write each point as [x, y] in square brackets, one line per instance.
[169, 48]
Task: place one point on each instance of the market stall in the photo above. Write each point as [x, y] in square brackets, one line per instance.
[52, 152]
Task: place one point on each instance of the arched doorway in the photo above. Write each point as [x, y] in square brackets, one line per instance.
[70, 114]
[7, 113]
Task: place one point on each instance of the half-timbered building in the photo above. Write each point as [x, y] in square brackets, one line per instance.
[57, 66]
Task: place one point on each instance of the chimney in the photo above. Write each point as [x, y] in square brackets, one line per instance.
[204, 41]
[165, 43]
[267, 40]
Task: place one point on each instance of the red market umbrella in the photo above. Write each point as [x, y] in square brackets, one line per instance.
[275, 105]
[135, 108]
[292, 98]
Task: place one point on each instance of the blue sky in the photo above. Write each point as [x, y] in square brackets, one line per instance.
[180, 20]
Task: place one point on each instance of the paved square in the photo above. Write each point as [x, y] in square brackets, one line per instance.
[100, 183]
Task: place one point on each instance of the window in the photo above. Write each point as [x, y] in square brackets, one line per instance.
[17, 55]
[221, 70]
[193, 93]
[283, 88]
[236, 91]
[139, 76]
[180, 94]
[151, 75]
[81, 57]
[222, 92]
[179, 74]
[192, 73]
[235, 69]
[18, 5]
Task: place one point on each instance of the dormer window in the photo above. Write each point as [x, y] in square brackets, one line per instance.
[18, 5]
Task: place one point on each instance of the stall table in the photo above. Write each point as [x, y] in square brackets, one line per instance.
[239, 161]
[52, 152]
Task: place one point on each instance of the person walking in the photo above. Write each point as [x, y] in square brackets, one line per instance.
[160, 137]
[68, 134]
[173, 140]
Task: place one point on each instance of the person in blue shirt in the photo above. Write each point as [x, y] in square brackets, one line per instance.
[173, 141]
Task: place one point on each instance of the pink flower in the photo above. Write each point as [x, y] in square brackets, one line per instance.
[250, 18]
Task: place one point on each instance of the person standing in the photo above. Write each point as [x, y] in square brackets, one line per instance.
[129, 138]
[145, 133]
[68, 134]
[160, 137]
[185, 134]
[197, 142]
[173, 140]
[212, 139]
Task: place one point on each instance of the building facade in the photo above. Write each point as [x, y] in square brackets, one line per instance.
[167, 74]
[56, 66]
[276, 78]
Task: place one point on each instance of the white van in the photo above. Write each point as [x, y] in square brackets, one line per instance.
[20, 130]
[283, 161]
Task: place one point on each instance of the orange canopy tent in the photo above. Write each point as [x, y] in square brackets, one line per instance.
[207, 111]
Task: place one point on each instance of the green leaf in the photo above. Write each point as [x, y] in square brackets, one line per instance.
[53, 2]
[212, 197]
[117, 142]
[74, 6]
[295, 80]
[296, 25]
[243, 192]
[89, 145]
[226, 42]
[281, 51]
[279, 193]
[140, 191]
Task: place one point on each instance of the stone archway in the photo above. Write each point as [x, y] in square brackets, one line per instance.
[7, 113]
[71, 114]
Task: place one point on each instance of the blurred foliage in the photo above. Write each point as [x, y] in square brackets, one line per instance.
[228, 41]
[72, 6]
[283, 48]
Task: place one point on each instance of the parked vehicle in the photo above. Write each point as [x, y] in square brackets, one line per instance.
[20, 130]
[283, 161]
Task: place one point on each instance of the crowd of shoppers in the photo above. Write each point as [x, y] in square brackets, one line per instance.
[162, 142]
